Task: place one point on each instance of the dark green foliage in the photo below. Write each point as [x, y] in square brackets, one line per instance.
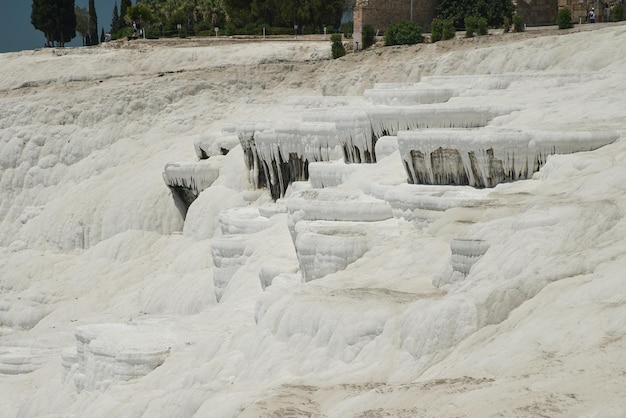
[229, 28]
[506, 25]
[116, 22]
[493, 10]
[337, 48]
[93, 24]
[483, 28]
[448, 29]
[564, 18]
[235, 17]
[441, 29]
[238, 16]
[310, 15]
[369, 36]
[139, 13]
[125, 32]
[518, 24]
[347, 29]
[617, 14]
[124, 5]
[436, 30]
[255, 28]
[56, 19]
[471, 26]
[403, 33]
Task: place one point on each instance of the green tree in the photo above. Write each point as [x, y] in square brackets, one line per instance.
[140, 14]
[211, 14]
[82, 19]
[124, 5]
[56, 19]
[239, 12]
[116, 24]
[93, 24]
[265, 10]
[312, 15]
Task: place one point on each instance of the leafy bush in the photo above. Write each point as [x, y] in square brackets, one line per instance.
[494, 10]
[279, 31]
[251, 29]
[229, 29]
[404, 33]
[203, 26]
[518, 24]
[483, 28]
[347, 29]
[205, 33]
[506, 24]
[369, 36]
[564, 18]
[436, 30]
[448, 29]
[617, 14]
[441, 29]
[471, 26]
[337, 48]
[123, 33]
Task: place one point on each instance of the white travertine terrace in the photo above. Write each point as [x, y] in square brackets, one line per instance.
[486, 157]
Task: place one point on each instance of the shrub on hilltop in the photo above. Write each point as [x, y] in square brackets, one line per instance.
[482, 26]
[337, 48]
[404, 33]
[518, 24]
[441, 30]
[369, 36]
[564, 19]
[471, 26]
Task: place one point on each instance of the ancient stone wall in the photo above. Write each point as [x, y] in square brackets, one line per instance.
[538, 12]
[381, 13]
[580, 10]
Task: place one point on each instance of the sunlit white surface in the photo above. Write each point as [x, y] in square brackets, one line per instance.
[95, 255]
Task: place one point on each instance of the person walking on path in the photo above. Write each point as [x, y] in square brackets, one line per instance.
[592, 15]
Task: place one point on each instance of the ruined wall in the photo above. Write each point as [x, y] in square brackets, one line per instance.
[580, 10]
[381, 13]
[538, 12]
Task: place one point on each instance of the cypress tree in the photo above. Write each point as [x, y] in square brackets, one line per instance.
[93, 24]
[82, 22]
[115, 20]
